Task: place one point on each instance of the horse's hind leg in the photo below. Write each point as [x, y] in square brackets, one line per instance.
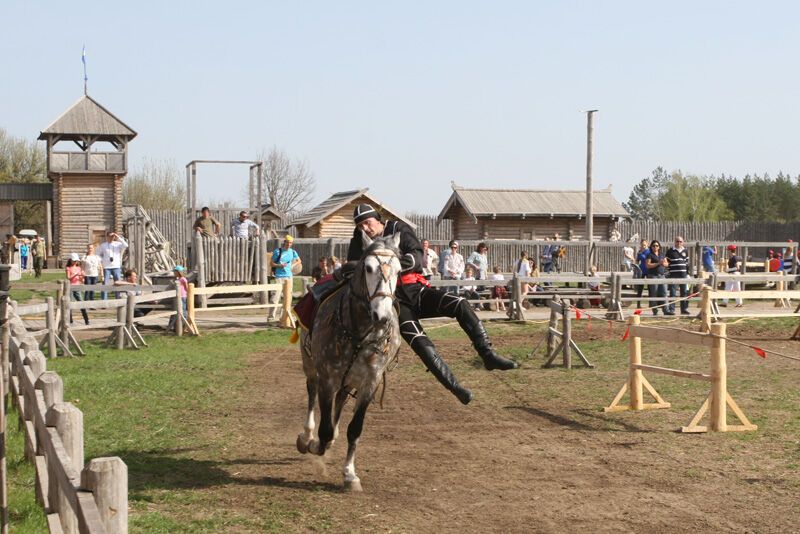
[308, 428]
[351, 480]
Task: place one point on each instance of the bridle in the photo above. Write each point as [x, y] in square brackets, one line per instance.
[385, 268]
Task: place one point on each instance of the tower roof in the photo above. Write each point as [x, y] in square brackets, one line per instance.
[88, 117]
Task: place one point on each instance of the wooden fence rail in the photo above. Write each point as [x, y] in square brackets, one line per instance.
[76, 497]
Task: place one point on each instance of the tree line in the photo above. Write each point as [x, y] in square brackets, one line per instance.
[676, 196]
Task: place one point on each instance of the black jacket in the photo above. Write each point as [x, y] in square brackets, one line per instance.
[410, 246]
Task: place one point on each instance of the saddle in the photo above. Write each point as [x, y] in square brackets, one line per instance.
[306, 308]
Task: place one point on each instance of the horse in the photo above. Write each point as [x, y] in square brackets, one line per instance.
[354, 337]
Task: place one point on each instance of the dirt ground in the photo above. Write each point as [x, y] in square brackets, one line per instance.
[523, 457]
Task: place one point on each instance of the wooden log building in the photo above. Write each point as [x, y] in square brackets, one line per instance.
[87, 183]
[479, 214]
[334, 216]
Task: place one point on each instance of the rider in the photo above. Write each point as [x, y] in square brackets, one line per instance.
[418, 300]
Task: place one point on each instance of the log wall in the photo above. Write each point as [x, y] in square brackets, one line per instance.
[85, 207]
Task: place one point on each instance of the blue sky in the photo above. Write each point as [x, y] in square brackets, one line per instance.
[405, 97]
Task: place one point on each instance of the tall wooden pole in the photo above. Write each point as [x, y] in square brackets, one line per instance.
[589, 199]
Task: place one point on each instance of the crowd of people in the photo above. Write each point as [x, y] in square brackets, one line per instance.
[241, 227]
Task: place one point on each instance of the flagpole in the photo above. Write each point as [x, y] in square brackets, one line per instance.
[85, 77]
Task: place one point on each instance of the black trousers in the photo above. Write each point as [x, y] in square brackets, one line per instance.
[421, 302]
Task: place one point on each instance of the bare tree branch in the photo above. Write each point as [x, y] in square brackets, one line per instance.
[157, 185]
[288, 185]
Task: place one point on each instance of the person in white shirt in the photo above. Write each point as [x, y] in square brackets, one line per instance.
[110, 252]
[471, 292]
[92, 270]
[241, 227]
[523, 269]
[430, 260]
[453, 266]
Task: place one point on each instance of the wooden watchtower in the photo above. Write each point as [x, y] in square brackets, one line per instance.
[87, 183]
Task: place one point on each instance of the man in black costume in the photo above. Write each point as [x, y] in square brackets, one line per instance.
[418, 300]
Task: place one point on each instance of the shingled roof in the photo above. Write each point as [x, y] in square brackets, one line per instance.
[337, 201]
[88, 117]
[530, 203]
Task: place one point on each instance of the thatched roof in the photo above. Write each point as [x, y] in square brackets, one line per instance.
[88, 117]
[337, 201]
[530, 203]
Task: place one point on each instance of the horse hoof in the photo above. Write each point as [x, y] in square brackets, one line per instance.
[352, 485]
[302, 446]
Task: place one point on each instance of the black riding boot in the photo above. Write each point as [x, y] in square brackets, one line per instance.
[480, 340]
[438, 368]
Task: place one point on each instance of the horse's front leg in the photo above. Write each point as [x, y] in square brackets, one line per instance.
[351, 480]
[305, 437]
[341, 400]
[325, 394]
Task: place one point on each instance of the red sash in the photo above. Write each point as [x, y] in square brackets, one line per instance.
[412, 278]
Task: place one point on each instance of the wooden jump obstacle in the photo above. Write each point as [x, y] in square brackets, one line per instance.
[561, 342]
[718, 399]
[709, 310]
[285, 301]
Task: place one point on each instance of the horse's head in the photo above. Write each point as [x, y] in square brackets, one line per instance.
[379, 268]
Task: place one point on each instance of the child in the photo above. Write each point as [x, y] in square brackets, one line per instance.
[74, 273]
[183, 287]
[470, 292]
[499, 293]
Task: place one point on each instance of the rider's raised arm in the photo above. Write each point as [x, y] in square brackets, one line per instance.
[356, 248]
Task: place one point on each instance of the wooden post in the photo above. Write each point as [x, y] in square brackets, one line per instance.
[51, 386]
[200, 258]
[743, 270]
[68, 423]
[6, 338]
[178, 306]
[130, 307]
[780, 286]
[65, 313]
[51, 328]
[6, 352]
[190, 303]
[552, 324]
[589, 192]
[107, 479]
[567, 334]
[705, 309]
[120, 328]
[611, 313]
[517, 291]
[719, 380]
[262, 271]
[635, 374]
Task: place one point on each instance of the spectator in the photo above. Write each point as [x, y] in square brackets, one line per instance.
[547, 257]
[9, 249]
[241, 227]
[110, 252]
[23, 254]
[131, 278]
[442, 258]
[594, 286]
[453, 266]
[39, 252]
[557, 253]
[678, 266]
[640, 270]
[628, 256]
[284, 258]
[733, 268]
[430, 260]
[656, 268]
[470, 292]
[207, 225]
[183, 288]
[499, 293]
[478, 261]
[320, 270]
[523, 270]
[333, 264]
[708, 254]
[775, 262]
[92, 270]
[74, 274]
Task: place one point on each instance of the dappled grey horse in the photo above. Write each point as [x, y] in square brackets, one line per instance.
[354, 337]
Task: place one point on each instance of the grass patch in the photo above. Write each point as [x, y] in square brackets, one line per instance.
[25, 295]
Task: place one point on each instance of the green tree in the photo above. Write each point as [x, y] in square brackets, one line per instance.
[643, 200]
[691, 199]
[23, 161]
